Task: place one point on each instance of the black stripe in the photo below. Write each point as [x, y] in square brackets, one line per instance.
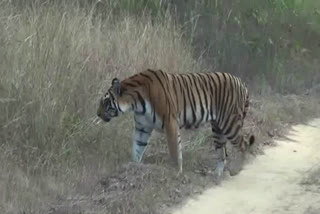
[163, 88]
[235, 133]
[141, 143]
[236, 141]
[226, 121]
[165, 75]
[156, 75]
[192, 101]
[111, 95]
[142, 102]
[137, 81]
[200, 98]
[182, 93]
[233, 91]
[246, 108]
[230, 110]
[164, 117]
[219, 99]
[154, 116]
[142, 130]
[133, 76]
[176, 92]
[231, 124]
[216, 137]
[215, 128]
[211, 96]
[191, 79]
[222, 100]
[215, 95]
[226, 101]
[205, 91]
[200, 101]
[218, 144]
[184, 109]
[146, 76]
[204, 79]
[168, 91]
[129, 84]
[184, 101]
[186, 94]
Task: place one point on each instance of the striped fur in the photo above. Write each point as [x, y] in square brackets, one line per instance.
[168, 102]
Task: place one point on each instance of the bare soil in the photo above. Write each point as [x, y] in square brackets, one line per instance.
[284, 180]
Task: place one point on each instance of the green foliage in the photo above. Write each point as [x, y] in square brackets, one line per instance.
[258, 40]
[253, 39]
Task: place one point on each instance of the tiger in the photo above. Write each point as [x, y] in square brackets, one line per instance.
[167, 102]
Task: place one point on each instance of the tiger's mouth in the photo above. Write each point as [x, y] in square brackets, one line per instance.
[104, 117]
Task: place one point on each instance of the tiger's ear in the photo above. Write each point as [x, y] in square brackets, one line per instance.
[116, 86]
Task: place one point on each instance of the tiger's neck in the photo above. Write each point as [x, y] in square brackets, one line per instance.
[132, 101]
[125, 106]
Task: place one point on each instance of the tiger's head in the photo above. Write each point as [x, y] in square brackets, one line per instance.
[108, 106]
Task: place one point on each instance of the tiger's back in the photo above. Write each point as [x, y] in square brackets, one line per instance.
[193, 98]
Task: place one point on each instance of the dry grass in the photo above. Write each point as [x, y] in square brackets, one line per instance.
[153, 188]
[311, 183]
[57, 62]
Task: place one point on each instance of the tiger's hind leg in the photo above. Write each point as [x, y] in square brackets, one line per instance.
[140, 140]
[242, 146]
[174, 143]
[220, 146]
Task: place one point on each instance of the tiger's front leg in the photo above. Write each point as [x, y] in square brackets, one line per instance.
[140, 140]
[174, 143]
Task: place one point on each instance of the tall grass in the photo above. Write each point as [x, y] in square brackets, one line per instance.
[270, 42]
[56, 61]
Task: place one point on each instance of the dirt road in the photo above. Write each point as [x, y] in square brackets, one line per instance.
[272, 183]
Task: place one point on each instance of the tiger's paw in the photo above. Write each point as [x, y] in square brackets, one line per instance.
[218, 173]
[179, 174]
